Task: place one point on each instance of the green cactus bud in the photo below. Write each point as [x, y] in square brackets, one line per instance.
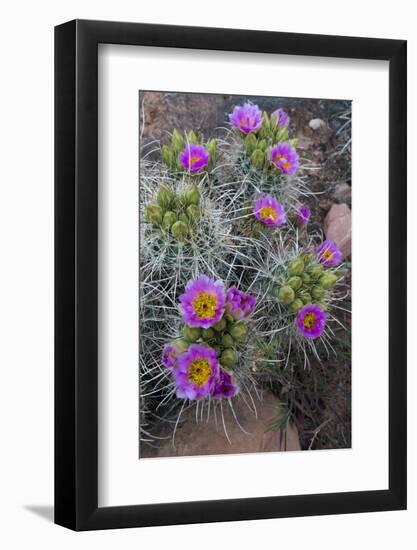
[317, 293]
[166, 155]
[328, 280]
[296, 266]
[211, 147]
[228, 358]
[263, 145]
[183, 217]
[293, 142]
[169, 219]
[296, 305]
[286, 295]
[192, 195]
[220, 325]
[295, 282]
[306, 297]
[180, 230]
[250, 143]
[315, 271]
[165, 197]
[181, 344]
[265, 122]
[208, 334]
[177, 142]
[309, 257]
[227, 341]
[239, 330]
[154, 214]
[229, 319]
[191, 334]
[258, 158]
[305, 277]
[192, 137]
[193, 212]
[281, 134]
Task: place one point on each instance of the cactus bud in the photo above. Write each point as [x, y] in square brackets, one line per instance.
[193, 212]
[179, 230]
[296, 305]
[238, 330]
[211, 147]
[286, 295]
[191, 334]
[315, 271]
[306, 297]
[305, 277]
[192, 195]
[177, 141]
[317, 293]
[328, 280]
[166, 155]
[309, 257]
[208, 334]
[220, 325]
[295, 282]
[265, 121]
[165, 197]
[169, 219]
[296, 266]
[281, 134]
[228, 358]
[180, 344]
[293, 142]
[258, 158]
[154, 214]
[250, 143]
[227, 341]
[192, 137]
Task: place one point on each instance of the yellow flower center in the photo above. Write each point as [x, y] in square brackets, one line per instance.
[328, 254]
[309, 320]
[193, 160]
[268, 213]
[205, 305]
[199, 372]
[286, 163]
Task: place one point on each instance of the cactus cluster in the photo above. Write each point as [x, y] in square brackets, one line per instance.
[217, 217]
[171, 154]
[307, 281]
[174, 213]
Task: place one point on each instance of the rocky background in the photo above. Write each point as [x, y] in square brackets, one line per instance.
[323, 128]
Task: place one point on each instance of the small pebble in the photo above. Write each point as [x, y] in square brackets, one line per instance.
[316, 123]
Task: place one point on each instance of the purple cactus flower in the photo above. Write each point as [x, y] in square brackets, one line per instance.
[303, 215]
[203, 302]
[269, 211]
[238, 304]
[194, 158]
[247, 118]
[224, 386]
[311, 320]
[196, 372]
[329, 254]
[281, 117]
[284, 158]
[170, 355]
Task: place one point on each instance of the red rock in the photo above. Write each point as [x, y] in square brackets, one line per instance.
[208, 438]
[338, 227]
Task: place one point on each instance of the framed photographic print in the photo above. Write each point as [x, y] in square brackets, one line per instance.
[230, 275]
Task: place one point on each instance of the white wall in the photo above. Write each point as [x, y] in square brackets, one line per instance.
[26, 295]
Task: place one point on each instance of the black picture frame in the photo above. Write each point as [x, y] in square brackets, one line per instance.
[76, 272]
